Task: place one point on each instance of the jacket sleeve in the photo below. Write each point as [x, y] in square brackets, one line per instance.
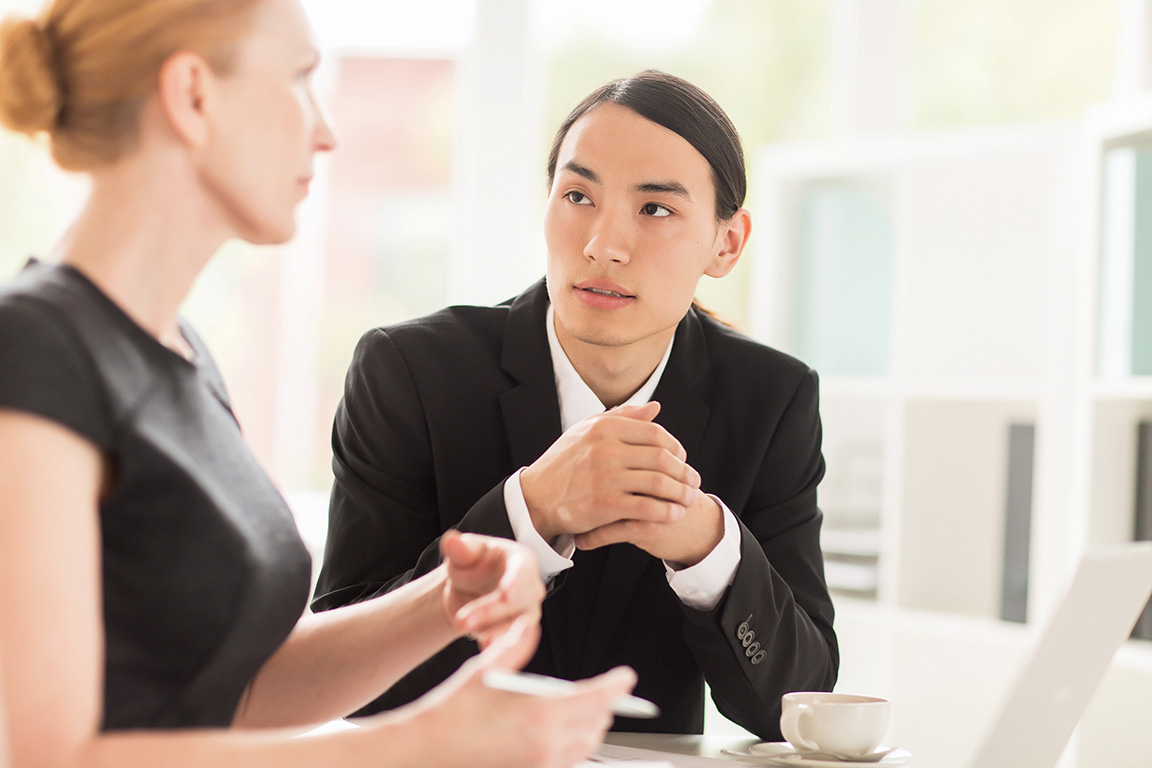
[384, 522]
[772, 632]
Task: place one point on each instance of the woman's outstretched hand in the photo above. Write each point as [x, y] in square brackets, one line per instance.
[491, 583]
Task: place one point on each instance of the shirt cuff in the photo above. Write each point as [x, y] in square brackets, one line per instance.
[702, 585]
[552, 558]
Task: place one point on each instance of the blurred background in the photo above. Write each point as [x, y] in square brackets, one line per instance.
[951, 223]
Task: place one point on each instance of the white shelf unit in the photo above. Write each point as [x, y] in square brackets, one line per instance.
[1110, 401]
[995, 318]
[975, 242]
[1114, 363]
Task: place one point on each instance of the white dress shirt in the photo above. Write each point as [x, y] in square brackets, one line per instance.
[699, 586]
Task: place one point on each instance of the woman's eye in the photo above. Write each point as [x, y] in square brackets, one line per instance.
[655, 209]
[307, 72]
[579, 198]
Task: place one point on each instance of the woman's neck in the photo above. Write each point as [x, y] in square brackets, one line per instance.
[142, 240]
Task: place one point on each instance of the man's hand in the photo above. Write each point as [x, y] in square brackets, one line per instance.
[683, 542]
[617, 465]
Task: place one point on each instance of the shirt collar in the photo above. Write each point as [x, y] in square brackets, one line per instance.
[577, 400]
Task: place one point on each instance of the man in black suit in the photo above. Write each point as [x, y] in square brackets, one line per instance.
[678, 530]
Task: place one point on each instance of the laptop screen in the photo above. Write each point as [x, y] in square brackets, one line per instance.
[1093, 619]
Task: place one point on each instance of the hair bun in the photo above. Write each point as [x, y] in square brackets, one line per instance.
[29, 89]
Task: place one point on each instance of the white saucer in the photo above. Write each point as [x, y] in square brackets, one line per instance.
[784, 754]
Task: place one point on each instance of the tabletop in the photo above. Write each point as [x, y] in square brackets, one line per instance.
[681, 750]
[693, 751]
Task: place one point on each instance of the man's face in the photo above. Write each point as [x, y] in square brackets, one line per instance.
[630, 226]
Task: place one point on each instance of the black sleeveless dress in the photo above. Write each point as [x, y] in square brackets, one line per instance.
[204, 573]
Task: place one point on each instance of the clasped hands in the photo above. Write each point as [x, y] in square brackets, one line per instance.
[615, 477]
[620, 477]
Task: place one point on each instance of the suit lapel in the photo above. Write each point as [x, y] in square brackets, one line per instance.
[683, 412]
[531, 418]
[530, 408]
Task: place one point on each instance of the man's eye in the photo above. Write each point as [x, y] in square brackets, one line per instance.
[655, 209]
[579, 198]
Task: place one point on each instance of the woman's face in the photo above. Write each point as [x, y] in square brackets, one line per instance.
[631, 227]
[267, 129]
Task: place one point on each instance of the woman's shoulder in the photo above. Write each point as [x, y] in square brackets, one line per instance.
[35, 322]
[47, 368]
[44, 295]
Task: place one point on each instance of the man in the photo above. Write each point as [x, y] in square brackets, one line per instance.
[680, 536]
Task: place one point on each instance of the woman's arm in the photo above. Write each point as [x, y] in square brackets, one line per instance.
[51, 633]
[336, 662]
[50, 607]
[462, 722]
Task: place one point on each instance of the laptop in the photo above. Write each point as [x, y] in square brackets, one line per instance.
[1095, 617]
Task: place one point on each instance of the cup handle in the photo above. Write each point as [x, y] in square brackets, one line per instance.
[790, 722]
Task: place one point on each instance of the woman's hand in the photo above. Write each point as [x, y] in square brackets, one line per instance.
[464, 722]
[491, 583]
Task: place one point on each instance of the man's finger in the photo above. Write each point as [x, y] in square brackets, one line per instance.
[657, 485]
[645, 412]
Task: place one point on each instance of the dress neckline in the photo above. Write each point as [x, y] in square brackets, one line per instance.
[128, 321]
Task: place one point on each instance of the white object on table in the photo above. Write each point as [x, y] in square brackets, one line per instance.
[542, 685]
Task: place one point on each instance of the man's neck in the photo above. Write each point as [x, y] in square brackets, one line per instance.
[614, 373]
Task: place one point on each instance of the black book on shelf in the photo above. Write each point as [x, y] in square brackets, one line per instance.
[1143, 527]
[1017, 522]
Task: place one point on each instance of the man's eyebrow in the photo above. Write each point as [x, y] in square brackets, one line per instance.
[664, 187]
[581, 170]
[647, 187]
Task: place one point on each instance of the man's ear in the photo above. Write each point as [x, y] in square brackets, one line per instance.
[730, 241]
[185, 86]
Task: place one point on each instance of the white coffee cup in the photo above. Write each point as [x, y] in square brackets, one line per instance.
[840, 724]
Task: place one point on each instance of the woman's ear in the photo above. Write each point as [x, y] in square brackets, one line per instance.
[185, 85]
[730, 241]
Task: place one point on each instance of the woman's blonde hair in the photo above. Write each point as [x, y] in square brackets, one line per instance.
[82, 71]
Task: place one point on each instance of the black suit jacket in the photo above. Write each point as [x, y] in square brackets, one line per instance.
[438, 412]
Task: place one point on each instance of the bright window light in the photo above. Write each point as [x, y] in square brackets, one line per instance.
[392, 24]
[636, 23]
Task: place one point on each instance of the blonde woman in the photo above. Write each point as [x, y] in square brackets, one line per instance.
[153, 581]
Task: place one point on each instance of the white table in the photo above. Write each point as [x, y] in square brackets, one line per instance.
[679, 750]
[682, 750]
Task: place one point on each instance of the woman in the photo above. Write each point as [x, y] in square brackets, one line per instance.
[501, 415]
[153, 579]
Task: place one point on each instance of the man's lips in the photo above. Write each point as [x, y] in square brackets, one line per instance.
[605, 292]
[605, 288]
[603, 295]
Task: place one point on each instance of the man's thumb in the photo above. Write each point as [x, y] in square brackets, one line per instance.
[645, 412]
